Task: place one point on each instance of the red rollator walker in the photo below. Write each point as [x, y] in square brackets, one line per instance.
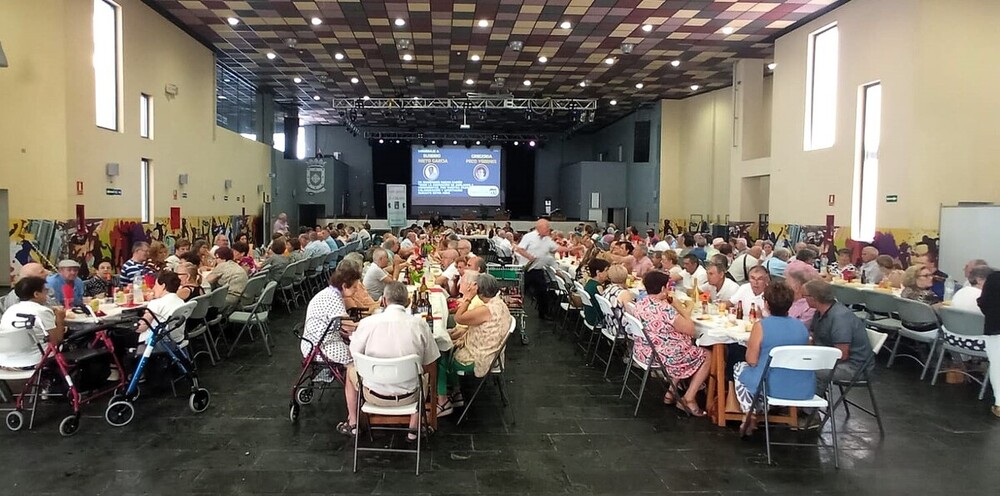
[318, 371]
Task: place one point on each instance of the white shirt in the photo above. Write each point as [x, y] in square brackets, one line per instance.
[406, 243]
[374, 281]
[18, 348]
[745, 294]
[741, 266]
[163, 307]
[503, 246]
[965, 299]
[729, 289]
[394, 333]
[172, 263]
[686, 281]
[540, 248]
[317, 247]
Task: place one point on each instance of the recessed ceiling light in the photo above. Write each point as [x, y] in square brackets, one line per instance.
[338, 56]
[515, 143]
[772, 66]
[478, 142]
[366, 98]
[694, 87]
[397, 142]
[675, 63]
[316, 21]
[222, 97]
[271, 55]
[527, 82]
[583, 84]
[639, 86]
[297, 80]
[474, 58]
[565, 25]
[609, 60]
[355, 80]
[416, 98]
[613, 102]
[647, 27]
[470, 82]
[454, 142]
[531, 143]
[407, 57]
[728, 30]
[316, 97]
[381, 141]
[483, 23]
[543, 59]
[232, 21]
[399, 22]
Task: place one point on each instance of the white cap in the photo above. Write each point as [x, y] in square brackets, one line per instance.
[662, 246]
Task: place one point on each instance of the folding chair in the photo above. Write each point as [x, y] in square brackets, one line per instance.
[806, 358]
[594, 328]
[961, 333]
[389, 371]
[609, 332]
[204, 303]
[299, 281]
[882, 310]
[635, 329]
[314, 273]
[257, 317]
[852, 298]
[918, 323]
[251, 292]
[497, 368]
[217, 300]
[19, 339]
[862, 379]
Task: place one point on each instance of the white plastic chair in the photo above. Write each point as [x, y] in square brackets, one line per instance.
[805, 358]
[609, 332]
[389, 371]
[862, 379]
[16, 339]
[497, 367]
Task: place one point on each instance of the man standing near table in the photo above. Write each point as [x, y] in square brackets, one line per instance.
[66, 283]
[836, 325]
[537, 251]
[281, 224]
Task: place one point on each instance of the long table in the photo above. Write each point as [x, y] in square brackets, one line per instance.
[518, 225]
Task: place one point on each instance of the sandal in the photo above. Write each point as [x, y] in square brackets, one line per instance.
[748, 426]
[347, 429]
[669, 398]
[695, 411]
[445, 409]
[457, 400]
[411, 434]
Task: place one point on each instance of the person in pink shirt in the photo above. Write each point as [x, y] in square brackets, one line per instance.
[641, 262]
[804, 260]
[796, 280]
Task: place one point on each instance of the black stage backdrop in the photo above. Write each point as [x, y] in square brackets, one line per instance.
[391, 165]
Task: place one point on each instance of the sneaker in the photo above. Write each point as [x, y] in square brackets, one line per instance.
[324, 375]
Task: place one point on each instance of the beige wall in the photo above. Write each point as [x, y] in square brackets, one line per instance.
[185, 139]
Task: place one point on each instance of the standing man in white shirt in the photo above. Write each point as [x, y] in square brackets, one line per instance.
[753, 292]
[537, 251]
[740, 268]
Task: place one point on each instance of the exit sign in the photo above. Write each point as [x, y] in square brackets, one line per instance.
[891, 198]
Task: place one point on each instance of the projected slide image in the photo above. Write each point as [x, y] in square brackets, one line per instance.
[456, 176]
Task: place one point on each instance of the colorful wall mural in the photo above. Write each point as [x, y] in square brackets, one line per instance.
[49, 241]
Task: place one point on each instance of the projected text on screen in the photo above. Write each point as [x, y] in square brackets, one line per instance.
[455, 176]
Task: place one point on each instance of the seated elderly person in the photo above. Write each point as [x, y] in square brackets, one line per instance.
[66, 284]
[966, 298]
[618, 294]
[892, 272]
[100, 284]
[752, 293]
[359, 298]
[917, 282]
[641, 263]
[221, 240]
[718, 286]
[393, 333]
[778, 262]
[967, 270]
[228, 273]
[449, 272]
[771, 332]
[597, 269]
[805, 260]
[376, 277]
[800, 310]
[870, 272]
[692, 270]
[489, 326]
[836, 325]
[30, 269]
[327, 322]
[30, 314]
[163, 305]
[843, 265]
[276, 261]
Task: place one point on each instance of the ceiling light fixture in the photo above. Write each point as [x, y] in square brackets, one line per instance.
[516, 45]
[728, 30]
[531, 143]
[355, 80]
[366, 98]
[627, 48]
[222, 97]
[399, 22]
[454, 142]
[232, 21]
[381, 141]
[297, 80]
[527, 82]
[647, 27]
[483, 23]
[543, 59]
[271, 55]
[676, 63]
[695, 87]
[407, 57]
[609, 60]
[474, 58]
[515, 143]
[338, 56]
[470, 82]
[478, 142]
[772, 66]
[639, 86]
[316, 21]
[613, 102]
[397, 142]
[316, 97]
[583, 84]
[565, 25]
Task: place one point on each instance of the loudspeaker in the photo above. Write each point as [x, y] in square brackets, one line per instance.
[182, 179]
[111, 169]
[291, 137]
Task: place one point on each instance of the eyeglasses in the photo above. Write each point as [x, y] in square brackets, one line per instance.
[924, 275]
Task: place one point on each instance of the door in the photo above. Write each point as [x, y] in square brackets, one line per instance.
[309, 215]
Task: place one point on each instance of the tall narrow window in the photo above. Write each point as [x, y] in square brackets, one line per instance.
[146, 190]
[106, 63]
[300, 144]
[866, 166]
[821, 89]
[145, 116]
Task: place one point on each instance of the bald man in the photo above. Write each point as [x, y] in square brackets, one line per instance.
[870, 271]
[30, 269]
[537, 251]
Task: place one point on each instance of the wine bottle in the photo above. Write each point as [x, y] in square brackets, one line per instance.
[739, 310]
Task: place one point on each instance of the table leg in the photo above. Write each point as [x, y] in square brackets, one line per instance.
[719, 369]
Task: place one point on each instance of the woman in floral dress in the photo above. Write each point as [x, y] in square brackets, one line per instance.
[669, 326]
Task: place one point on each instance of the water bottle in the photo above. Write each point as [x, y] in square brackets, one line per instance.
[949, 289]
[137, 289]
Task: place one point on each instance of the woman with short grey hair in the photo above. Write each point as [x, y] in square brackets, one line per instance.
[360, 297]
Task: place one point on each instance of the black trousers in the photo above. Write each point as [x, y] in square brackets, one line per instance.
[536, 284]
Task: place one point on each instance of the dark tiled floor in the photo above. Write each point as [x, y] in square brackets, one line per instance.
[573, 435]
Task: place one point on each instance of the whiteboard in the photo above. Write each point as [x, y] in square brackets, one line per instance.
[968, 233]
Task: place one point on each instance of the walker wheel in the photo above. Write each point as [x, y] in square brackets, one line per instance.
[15, 420]
[304, 395]
[69, 425]
[293, 412]
[119, 413]
[199, 400]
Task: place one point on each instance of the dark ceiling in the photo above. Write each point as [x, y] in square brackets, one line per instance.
[360, 39]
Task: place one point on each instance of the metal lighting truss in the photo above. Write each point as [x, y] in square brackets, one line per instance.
[446, 137]
[535, 104]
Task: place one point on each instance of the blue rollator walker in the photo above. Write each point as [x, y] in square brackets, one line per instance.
[120, 410]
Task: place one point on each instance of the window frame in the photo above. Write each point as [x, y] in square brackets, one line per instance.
[145, 116]
[99, 119]
[864, 204]
[810, 139]
[146, 190]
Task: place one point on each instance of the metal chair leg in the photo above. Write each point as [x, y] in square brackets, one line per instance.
[642, 388]
[611, 354]
[937, 368]
[877, 414]
[767, 431]
[930, 356]
[468, 404]
[895, 348]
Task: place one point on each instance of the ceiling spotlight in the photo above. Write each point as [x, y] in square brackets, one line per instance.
[291, 42]
[454, 142]
[411, 79]
[515, 143]
[338, 56]
[772, 66]
[470, 82]
[316, 97]
[613, 102]
[583, 84]
[474, 58]
[232, 21]
[565, 25]
[639, 86]
[433, 142]
[483, 23]
[516, 45]
[397, 142]
[728, 30]
[543, 59]
[694, 87]
[222, 97]
[416, 98]
[627, 48]
[478, 142]
[355, 80]
[527, 82]
[675, 63]
[609, 60]
[647, 27]
[381, 141]
[297, 80]
[399, 22]
[316, 21]
[366, 98]
[407, 57]
[271, 55]
[531, 143]
[403, 44]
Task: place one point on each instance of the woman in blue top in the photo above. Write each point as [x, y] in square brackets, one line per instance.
[777, 330]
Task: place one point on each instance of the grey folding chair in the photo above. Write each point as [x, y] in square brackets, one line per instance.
[286, 284]
[852, 298]
[497, 368]
[299, 281]
[251, 292]
[389, 371]
[255, 317]
[314, 274]
[216, 324]
[200, 330]
[882, 311]
[919, 325]
[862, 379]
[962, 334]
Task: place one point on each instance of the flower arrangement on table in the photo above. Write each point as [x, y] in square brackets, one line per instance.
[416, 271]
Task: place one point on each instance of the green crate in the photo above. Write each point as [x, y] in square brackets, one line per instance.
[505, 274]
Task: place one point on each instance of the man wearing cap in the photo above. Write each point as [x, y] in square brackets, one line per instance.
[65, 283]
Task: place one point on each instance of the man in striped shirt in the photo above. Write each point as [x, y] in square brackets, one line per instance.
[135, 265]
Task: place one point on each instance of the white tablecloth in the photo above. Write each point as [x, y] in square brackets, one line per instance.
[717, 329]
[870, 287]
